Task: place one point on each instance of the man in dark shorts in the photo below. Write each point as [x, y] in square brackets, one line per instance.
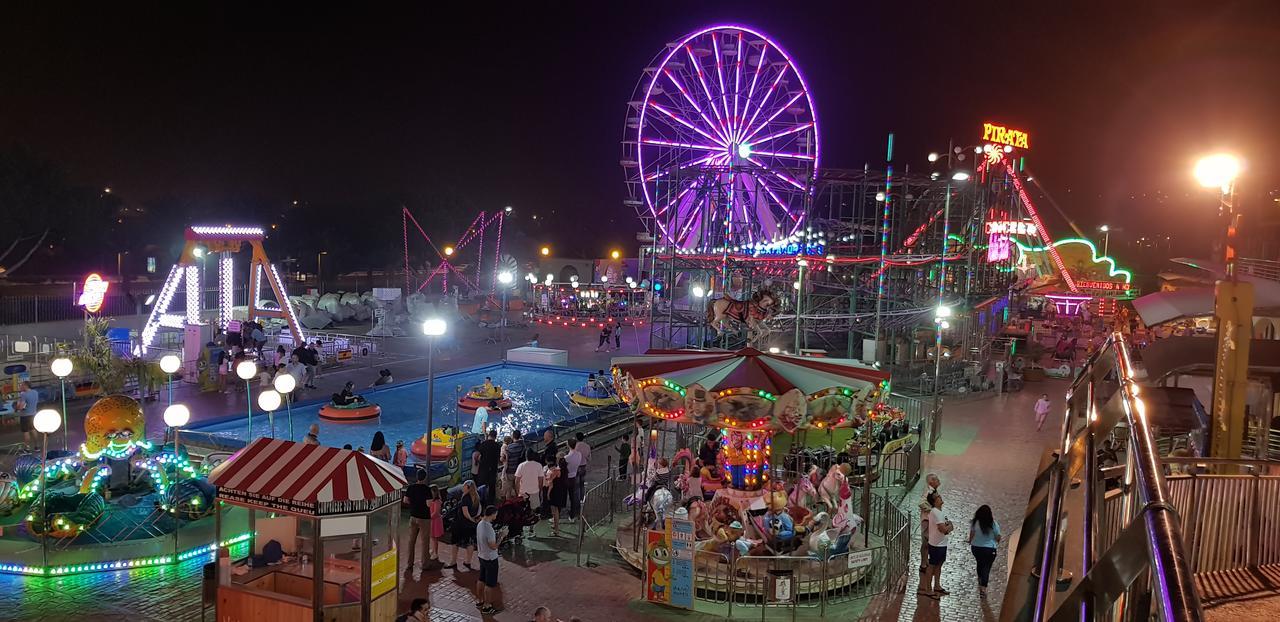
[488, 454]
[418, 493]
[487, 551]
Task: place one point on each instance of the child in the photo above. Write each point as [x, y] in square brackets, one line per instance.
[401, 457]
[436, 504]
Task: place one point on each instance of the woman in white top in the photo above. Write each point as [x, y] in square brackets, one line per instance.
[939, 536]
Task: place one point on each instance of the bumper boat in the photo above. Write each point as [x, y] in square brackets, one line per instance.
[355, 411]
[594, 401]
[477, 397]
[443, 440]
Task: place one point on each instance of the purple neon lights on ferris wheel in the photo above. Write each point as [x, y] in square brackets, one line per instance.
[740, 140]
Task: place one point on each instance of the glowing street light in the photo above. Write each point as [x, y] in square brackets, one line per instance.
[176, 416]
[169, 364]
[615, 254]
[448, 251]
[960, 176]
[270, 401]
[1217, 171]
[285, 384]
[933, 156]
[46, 422]
[246, 370]
[62, 367]
[698, 292]
[545, 250]
[433, 328]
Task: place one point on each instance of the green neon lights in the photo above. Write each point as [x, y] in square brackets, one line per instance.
[1113, 270]
[123, 564]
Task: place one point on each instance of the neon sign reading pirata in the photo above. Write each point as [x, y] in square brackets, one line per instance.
[1017, 139]
[93, 293]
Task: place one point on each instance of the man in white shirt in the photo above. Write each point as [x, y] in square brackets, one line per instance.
[529, 481]
[940, 529]
[573, 460]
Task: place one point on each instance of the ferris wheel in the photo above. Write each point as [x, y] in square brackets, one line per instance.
[721, 141]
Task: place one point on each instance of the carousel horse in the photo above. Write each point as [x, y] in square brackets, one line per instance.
[834, 487]
[660, 504]
[753, 313]
[805, 493]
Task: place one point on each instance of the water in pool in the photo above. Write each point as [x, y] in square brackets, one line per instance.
[404, 412]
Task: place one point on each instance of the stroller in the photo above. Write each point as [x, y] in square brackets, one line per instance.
[515, 514]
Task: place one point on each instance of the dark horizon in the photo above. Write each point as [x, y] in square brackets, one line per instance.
[342, 110]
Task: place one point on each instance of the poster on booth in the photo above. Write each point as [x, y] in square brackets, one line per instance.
[668, 576]
[384, 574]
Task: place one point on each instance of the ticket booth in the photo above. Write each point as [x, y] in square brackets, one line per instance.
[322, 525]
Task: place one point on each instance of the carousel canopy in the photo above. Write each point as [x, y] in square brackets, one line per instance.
[749, 388]
[306, 479]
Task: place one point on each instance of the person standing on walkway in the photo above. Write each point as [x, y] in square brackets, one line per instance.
[573, 473]
[464, 525]
[517, 453]
[419, 495]
[488, 453]
[940, 529]
[605, 332]
[548, 448]
[1042, 410]
[528, 482]
[984, 536]
[436, 505]
[487, 541]
[28, 404]
[557, 487]
[617, 335]
[932, 483]
[624, 456]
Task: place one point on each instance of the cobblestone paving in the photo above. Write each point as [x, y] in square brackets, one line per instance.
[987, 455]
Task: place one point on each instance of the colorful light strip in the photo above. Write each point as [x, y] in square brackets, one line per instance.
[226, 289]
[287, 305]
[1035, 217]
[161, 306]
[1114, 270]
[123, 564]
[228, 232]
[195, 302]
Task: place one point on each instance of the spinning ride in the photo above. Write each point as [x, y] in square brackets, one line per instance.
[721, 141]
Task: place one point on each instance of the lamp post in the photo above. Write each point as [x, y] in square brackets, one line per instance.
[62, 367]
[269, 401]
[432, 328]
[319, 272]
[505, 278]
[1233, 307]
[46, 422]
[246, 370]
[1106, 238]
[941, 323]
[176, 416]
[169, 364]
[285, 384]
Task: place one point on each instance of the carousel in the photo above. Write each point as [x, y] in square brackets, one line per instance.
[743, 503]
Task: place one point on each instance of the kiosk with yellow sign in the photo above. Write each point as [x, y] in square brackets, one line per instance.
[322, 534]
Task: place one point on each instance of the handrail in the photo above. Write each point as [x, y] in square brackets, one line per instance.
[1172, 583]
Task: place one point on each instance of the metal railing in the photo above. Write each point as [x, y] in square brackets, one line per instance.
[1118, 581]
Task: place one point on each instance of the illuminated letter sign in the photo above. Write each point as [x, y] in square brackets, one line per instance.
[1017, 139]
[94, 292]
[1010, 227]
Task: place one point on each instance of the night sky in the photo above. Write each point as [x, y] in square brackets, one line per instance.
[525, 106]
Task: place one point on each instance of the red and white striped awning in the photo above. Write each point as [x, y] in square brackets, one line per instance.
[306, 479]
